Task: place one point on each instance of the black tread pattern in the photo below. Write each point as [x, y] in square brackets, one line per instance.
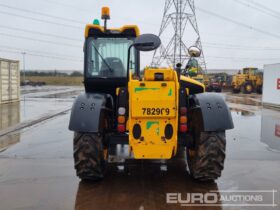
[259, 89]
[208, 161]
[88, 156]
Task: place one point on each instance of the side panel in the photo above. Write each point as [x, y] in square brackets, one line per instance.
[88, 113]
[271, 85]
[213, 111]
[14, 81]
[9, 81]
[5, 96]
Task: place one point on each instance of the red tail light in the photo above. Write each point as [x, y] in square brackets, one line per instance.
[183, 128]
[121, 128]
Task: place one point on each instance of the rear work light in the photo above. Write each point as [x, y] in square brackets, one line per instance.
[121, 111]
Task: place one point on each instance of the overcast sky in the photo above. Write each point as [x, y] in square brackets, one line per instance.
[249, 36]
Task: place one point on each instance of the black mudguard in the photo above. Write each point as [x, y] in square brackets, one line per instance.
[88, 113]
[212, 110]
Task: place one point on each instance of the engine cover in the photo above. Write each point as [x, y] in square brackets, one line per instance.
[153, 119]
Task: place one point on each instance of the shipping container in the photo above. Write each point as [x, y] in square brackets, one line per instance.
[271, 86]
[9, 81]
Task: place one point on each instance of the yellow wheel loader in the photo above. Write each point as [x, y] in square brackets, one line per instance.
[248, 81]
[154, 112]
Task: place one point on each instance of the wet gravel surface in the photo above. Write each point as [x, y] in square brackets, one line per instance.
[37, 170]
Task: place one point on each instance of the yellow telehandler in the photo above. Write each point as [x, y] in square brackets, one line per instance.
[155, 113]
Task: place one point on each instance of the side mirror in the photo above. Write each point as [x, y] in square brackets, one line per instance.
[144, 42]
[147, 42]
[194, 51]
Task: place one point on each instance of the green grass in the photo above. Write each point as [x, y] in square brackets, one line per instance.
[57, 80]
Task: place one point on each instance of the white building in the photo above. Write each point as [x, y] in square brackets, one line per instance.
[271, 85]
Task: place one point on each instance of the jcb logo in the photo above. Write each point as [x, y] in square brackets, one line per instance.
[278, 83]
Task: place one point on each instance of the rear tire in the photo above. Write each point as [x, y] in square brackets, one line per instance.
[259, 89]
[206, 160]
[89, 156]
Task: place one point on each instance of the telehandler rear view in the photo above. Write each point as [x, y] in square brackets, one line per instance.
[154, 112]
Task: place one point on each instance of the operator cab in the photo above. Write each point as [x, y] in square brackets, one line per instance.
[106, 56]
[250, 71]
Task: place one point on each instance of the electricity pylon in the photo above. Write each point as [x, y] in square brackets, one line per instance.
[178, 32]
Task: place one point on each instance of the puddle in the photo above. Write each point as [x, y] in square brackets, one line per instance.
[242, 112]
[244, 99]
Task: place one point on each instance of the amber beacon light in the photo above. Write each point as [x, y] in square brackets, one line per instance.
[105, 13]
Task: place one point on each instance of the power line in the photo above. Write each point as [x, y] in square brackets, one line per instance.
[42, 14]
[243, 47]
[39, 55]
[238, 48]
[40, 40]
[68, 5]
[180, 16]
[260, 9]
[41, 20]
[264, 7]
[39, 52]
[243, 58]
[40, 33]
[239, 23]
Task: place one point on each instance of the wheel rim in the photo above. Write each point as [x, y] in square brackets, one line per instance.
[249, 88]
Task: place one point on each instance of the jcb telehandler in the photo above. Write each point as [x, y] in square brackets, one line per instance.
[154, 114]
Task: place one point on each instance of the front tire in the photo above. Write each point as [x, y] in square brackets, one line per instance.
[206, 159]
[89, 156]
[248, 88]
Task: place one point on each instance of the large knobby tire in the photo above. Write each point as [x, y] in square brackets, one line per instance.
[206, 160]
[248, 88]
[259, 89]
[89, 156]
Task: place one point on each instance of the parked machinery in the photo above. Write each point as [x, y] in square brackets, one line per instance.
[248, 81]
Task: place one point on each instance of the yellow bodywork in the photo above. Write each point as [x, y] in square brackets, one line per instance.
[195, 83]
[101, 28]
[248, 74]
[153, 105]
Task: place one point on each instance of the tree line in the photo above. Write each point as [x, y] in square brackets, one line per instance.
[51, 73]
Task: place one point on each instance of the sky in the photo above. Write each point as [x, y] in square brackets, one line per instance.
[50, 33]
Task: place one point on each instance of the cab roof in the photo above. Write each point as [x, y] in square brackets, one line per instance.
[93, 30]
